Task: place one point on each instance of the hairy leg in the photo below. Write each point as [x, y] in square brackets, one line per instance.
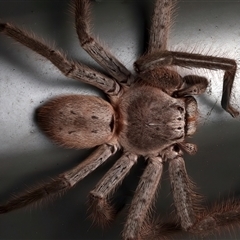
[69, 68]
[143, 198]
[62, 182]
[183, 194]
[101, 211]
[168, 58]
[220, 216]
[160, 25]
[103, 57]
[193, 218]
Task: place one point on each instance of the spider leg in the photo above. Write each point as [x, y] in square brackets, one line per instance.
[102, 212]
[62, 182]
[143, 198]
[220, 215]
[160, 25]
[182, 192]
[191, 218]
[103, 57]
[69, 68]
[168, 58]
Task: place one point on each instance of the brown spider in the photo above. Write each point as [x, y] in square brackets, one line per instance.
[150, 115]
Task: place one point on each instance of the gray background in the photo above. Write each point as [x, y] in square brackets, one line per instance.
[27, 79]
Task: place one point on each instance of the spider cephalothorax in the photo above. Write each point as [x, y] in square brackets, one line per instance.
[152, 120]
[149, 114]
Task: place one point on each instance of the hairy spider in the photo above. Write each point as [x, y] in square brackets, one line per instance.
[149, 114]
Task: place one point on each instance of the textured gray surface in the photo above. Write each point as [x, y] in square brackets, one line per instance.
[26, 80]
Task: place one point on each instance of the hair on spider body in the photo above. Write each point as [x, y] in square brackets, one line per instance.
[145, 121]
[152, 120]
[150, 115]
[77, 121]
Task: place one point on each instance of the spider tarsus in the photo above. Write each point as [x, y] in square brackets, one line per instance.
[157, 230]
[35, 194]
[102, 213]
[218, 217]
[234, 113]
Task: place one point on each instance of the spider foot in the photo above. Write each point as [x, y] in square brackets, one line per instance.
[37, 194]
[102, 213]
[220, 216]
[204, 226]
[157, 230]
[231, 110]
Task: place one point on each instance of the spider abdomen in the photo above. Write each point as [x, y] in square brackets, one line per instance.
[77, 121]
[151, 120]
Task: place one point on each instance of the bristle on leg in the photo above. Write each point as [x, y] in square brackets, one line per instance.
[102, 213]
[155, 229]
[221, 216]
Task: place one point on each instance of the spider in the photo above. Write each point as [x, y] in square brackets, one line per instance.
[149, 114]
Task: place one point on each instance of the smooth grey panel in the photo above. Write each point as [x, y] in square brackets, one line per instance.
[27, 80]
